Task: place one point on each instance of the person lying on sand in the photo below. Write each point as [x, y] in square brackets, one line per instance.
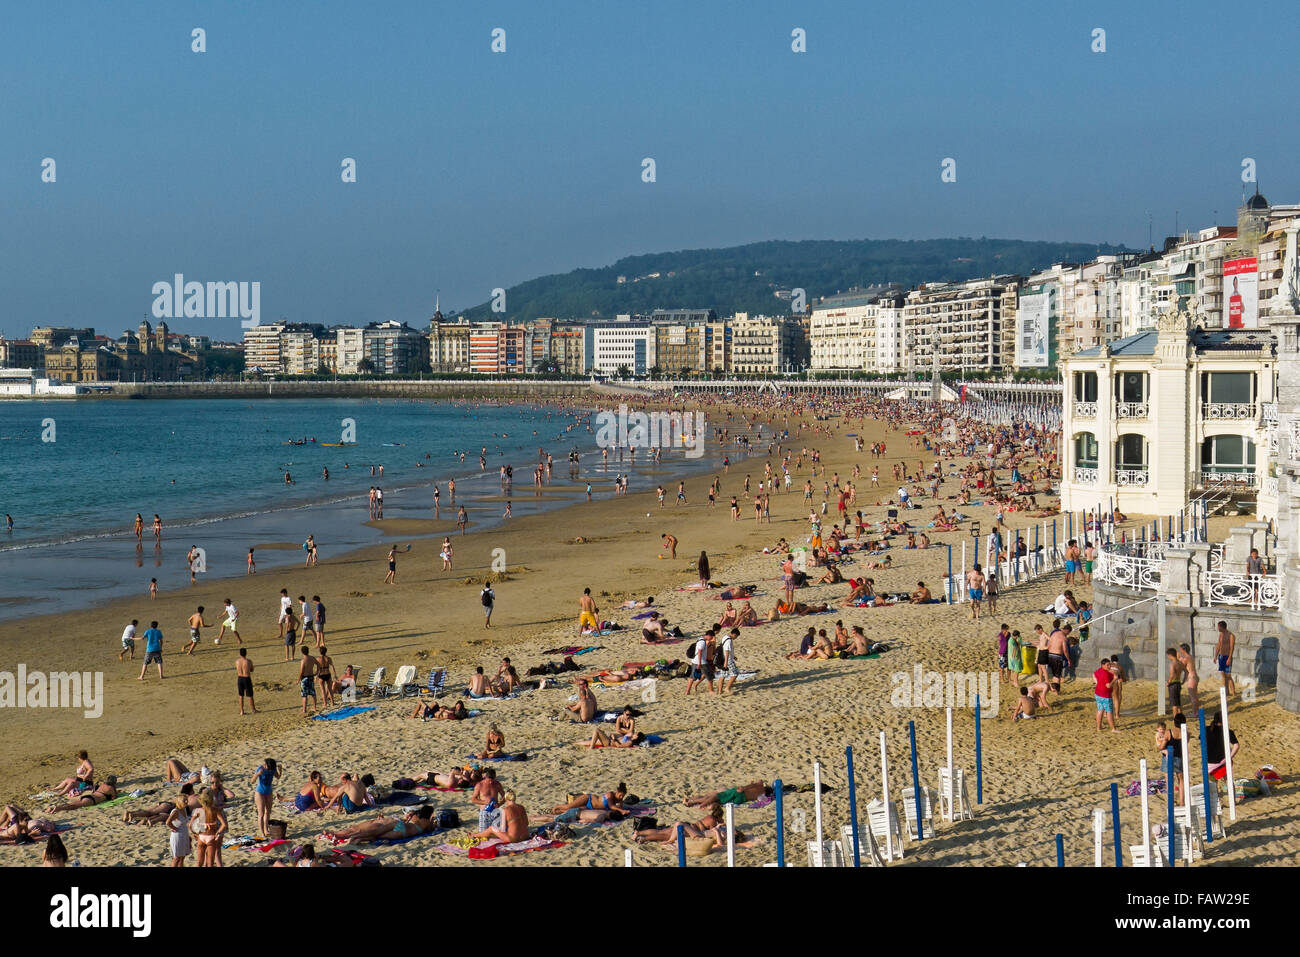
[797, 608]
[20, 827]
[709, 826]
[385, 828]
[745, 794]
[159, 813]
[886, 562]
[625, 734]
[178, 772]
[576, 815]
[736, 592]
[456, 779]
[609, 801]
[514, 818]
[101, 793]
[440, 713]
[634, 603]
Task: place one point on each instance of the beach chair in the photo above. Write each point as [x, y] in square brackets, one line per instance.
[1138, 854]
[831, 854]
[868, 850]
[436, 684]
[1190, 838]
[1216, 808]
[406, 675]
[375, 686]
[927, 810]
[954, 802]
[882, 823]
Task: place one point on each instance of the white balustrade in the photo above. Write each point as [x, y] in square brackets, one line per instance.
[1131, 477]
[1253, 591]
[1085, 476]
[1130, 410]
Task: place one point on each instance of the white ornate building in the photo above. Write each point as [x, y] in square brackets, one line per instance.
[1157, 419]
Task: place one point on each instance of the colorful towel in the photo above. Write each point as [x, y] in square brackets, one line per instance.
[520, 756]
[343, 713]
[762, 802]
[520, 847]
[573, 650]
[116, 801]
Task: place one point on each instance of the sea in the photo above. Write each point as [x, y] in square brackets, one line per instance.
[74, 474]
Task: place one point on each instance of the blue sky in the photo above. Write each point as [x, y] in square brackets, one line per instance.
[478, 169]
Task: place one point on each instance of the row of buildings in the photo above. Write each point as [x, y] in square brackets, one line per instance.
[1007, 323]
[687, 341]
[70, 355]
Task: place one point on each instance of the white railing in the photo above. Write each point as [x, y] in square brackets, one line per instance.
[1228, 481]
[1130, 477]
[1228, 410]
[1294, 431]
[1270, 485]
[1085, 410]
[1271, 437]
[1216, 556]
[1269, 410]
[1085, 476]
[1131, 564]
[1254, 591]
[1130, 410]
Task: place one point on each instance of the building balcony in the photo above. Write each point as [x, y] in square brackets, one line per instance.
[1269, 410]
[1085, 410]
[1227, 477]
[1085, 476]
[1131, 477]
[1235, 411]
[1130, 410]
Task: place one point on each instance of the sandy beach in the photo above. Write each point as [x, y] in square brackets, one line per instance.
[1040, 777]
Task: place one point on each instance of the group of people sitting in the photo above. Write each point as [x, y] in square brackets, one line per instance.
[817, 645]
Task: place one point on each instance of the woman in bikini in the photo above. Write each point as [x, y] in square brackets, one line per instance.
[411, 824]
[207, 825]
[82, 779]
[98, 795]
[496, 744]
[729, 616]
[625, 734]
[20, 827]
[609, 801]
[711, 825]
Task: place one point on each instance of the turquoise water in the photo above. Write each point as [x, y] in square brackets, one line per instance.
[199, 460]
[214, 471]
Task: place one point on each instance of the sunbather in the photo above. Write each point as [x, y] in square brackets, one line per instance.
[514, 818]
[744, 794]
[20, 827]
[609, 801]
[177, 772]
[496, 744]
[83, 778]
[747, 615]
[105, 791]
[385, 828]
[625, 734]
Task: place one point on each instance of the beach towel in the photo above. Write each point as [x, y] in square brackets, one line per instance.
[518, 756]
[521, 847]
[430, 787]
[116, 801]
[1156, 786]
[861, 657]
[762, 802]
[573, 650]
[644, 614]
[342, 713]
[243, 841]
[401, 799]
[271, 844]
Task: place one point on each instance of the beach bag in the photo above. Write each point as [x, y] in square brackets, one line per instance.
[448, 818]
[276, 830]
[1268, 774]
[483, 853]
[1247, 788]
[642, 823]
[410, 690]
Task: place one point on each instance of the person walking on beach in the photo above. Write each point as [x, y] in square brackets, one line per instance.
[488, 598]
[308, 624]
[157, 528]
[196, 623]
[232, 618]
[252, 565]
[445, 554]
[1224, 646]
[244, 680]
[290, 634]
[587, 612]
[451, 490]
[1103, 677]
[730, 669]
[153, 639]
[286, 603]
[325, 675]
[307, 679]
[975, 586]
[318, 619]
[1192, 680]
[1175, 683]
[461, 519]
[702, 663]
[310, 547]
[391, 577]
[139, 527]
[192, 561]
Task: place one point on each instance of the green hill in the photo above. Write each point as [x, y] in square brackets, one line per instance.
[746, 278]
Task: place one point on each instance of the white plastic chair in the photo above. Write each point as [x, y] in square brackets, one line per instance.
[1216, 807]
[1138, 853]
[954, 803]
[830, 855]
[883, 821]
[927, 811]
[406, 675]
[868, 850]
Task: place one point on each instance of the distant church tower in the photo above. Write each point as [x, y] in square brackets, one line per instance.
[145, 335]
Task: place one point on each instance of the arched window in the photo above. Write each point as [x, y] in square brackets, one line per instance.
[1086, 450]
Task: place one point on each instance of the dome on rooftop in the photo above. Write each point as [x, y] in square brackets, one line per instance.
[1257, 202]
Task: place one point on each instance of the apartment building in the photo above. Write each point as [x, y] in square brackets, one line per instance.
[961, 324]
